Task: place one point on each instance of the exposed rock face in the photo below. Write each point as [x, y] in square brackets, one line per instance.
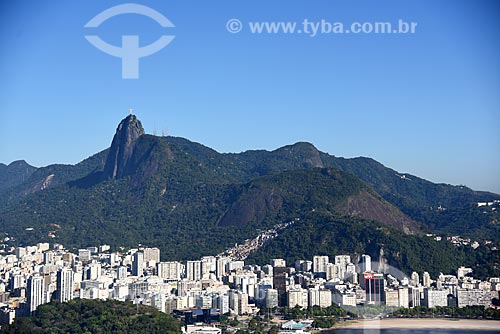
[122, 147]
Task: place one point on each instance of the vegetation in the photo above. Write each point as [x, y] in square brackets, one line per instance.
[298, 313]
[468, 312]
[178, 194]
[321, 233]
[94, 316]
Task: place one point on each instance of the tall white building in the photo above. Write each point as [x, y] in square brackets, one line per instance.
[220, 266]
[93, 271]
[151, 254]
[414, 296]
[271, 298]
[392, 298]
[298, 297]
[193, 270]
[403, 296]
[320, 263]
[65, 284]
[278, 263]
[415, 279]
[433, 298]
[36, 292]
[332, 271]
[238, 302]
[121, 273]
[365, 263]
[342, 260]
[209, 265]
[426, 279]
[221, 302]
[169, 270]
[319, 297]
[351, 274]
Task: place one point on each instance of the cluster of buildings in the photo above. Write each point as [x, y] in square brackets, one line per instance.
[220, 284]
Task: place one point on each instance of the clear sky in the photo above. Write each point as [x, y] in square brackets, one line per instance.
[426, 103]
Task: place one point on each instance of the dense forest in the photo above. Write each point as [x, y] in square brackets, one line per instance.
[83, 316]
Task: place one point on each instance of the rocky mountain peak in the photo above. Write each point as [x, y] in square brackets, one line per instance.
[122, 147]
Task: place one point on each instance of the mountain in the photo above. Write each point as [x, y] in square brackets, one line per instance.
[119, 161]
[191, 200]
[14, 174]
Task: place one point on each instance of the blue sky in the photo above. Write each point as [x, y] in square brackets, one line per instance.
[426, 103]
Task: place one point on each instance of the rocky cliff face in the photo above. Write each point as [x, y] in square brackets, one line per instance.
[122, 147]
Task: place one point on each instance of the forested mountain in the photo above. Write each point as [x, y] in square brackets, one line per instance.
[190, 200]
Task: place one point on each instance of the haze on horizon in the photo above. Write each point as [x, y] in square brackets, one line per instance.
[425, 104]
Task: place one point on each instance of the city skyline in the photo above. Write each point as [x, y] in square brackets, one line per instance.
[423, 103]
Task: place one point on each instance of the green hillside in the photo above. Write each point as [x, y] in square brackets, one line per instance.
[82, 316]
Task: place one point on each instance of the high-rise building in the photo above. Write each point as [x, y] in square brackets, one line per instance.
[313, 297]
[414, 296]
[374, 285]
[243, 306]
[342, 260]
[234, 300]
[475, 297]
[35, 292]
[169, 270]
[279, 283]
[268, 269]
[271, 298]
[433, 298]
[193, 270]
[235, 265]
[392, 298]
[351, 274]
[17, 281]
[209, 265]
[93, 271]
[306, 266]
[65, 284]
[320, 263]
[365, 263]
[84, 255]
[121, 273]
[221, 302]
[203, 301]
[332, 271]
[221, 266]
[426, 280]
[298, 297]
[415, 279]
[403, 295]
[278, 263]
[138, 264]
[151, 254]
[48, 258]
[319, 297]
